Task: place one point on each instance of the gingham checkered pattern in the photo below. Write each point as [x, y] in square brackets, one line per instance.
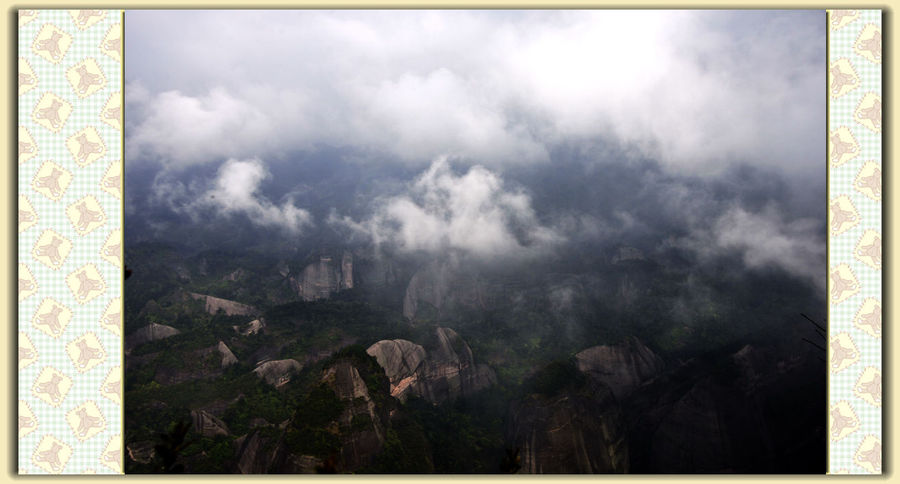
[48, 441]
[856, 450]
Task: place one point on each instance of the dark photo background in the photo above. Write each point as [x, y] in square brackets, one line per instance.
[475, 241]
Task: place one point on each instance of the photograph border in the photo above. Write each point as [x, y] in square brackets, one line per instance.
[58, 282]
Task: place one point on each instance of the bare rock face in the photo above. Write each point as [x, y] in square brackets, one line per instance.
[446, 284]
[141, 452]
[430, 285]
[445, 372]
[358, 423]
[450, 371]
[282, 268]
[208, 425]
[757, 366]
[376, 271]
[256, 452]
[366, 435]
[711, 428]
[344, 379]
[731, 413]
[300, 464]
[252, 327]
[151, 332]
[230, 308]
[570, 432]
[278, 372]
[346, 271]
[228, 357]
[401, 360]
[622, 367]
[321, 279]
[694, 431]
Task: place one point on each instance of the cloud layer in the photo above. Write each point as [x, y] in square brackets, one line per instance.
[474, 213]
[695, 90]
[235, 190]
[764, 240]
[550, 118]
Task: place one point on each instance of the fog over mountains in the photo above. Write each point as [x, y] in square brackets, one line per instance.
[560, 179]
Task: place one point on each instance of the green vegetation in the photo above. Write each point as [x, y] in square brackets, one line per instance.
[406, 451]
[462, 441]
[553, 378]
[209, 456]
[264, 402]
[310, 432]
[529, 341]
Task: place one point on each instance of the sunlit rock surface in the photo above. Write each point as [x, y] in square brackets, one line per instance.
[324, 277]
[228, 357]
[151, 332]
[444, 372]
[213, 304]
[278, 372]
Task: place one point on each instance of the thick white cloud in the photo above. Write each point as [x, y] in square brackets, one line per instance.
[186, 130]
[694, 90]
[474, 213]
[236, 191]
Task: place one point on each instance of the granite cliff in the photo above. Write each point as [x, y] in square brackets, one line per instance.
[445, 371]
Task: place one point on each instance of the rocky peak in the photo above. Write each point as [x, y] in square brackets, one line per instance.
[345, 380]
[278, 372]
[256, 452]
[215, 304]
[623, 367]
[573, 431]
[376, 270]
[207, 425]
[228, 357]
[451, 349]
[756, 365]
[444, 372]
[401, 360]
[252, 327]
[324, 277]
[141, 451]
[364, 432]
[429, 284]
[440, 285]
[346, 271]
[151, 332]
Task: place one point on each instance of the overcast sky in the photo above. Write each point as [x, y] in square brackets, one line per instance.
[693, 89]
[466, 99]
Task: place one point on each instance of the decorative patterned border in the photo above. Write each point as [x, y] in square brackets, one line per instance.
[70, 241]
[854, 253]
[70, 235]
